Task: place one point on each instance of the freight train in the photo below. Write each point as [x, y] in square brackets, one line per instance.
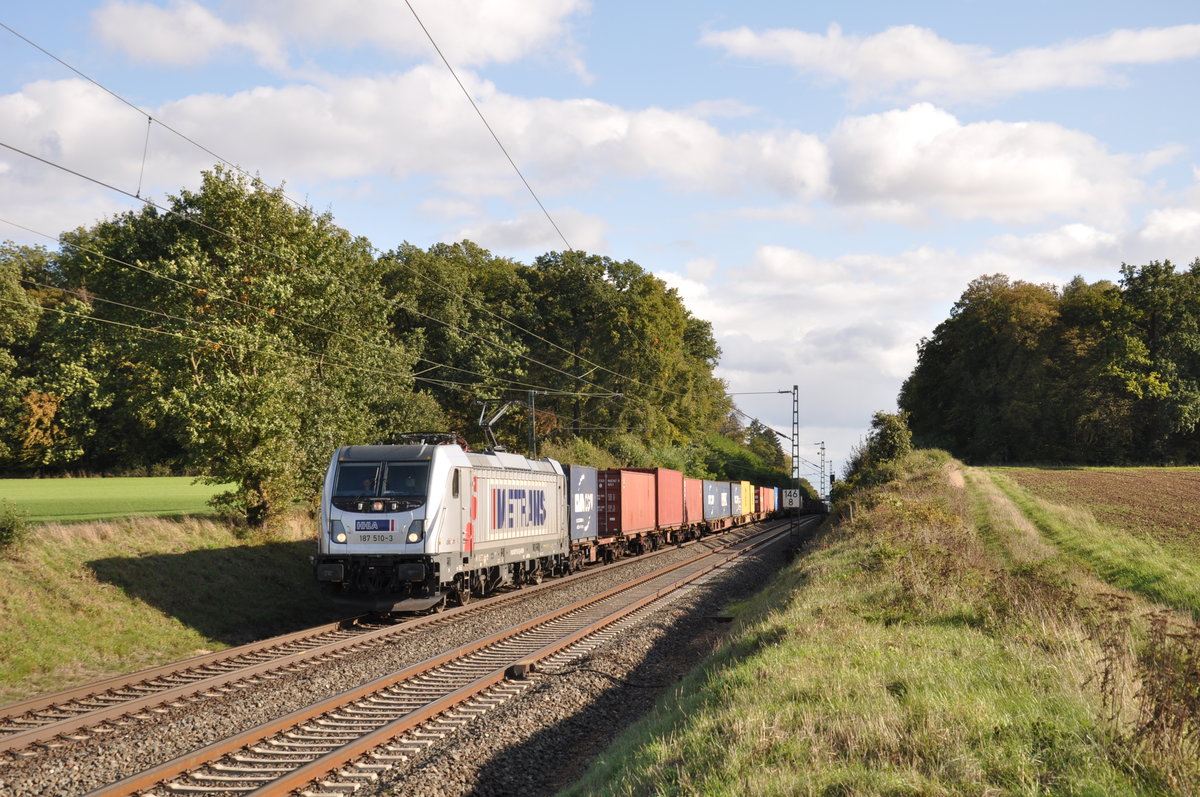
[409, 527]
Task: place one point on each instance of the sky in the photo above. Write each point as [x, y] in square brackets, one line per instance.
[820, 181]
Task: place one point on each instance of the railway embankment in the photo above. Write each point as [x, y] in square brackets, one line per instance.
[934, 641]
[83, 601]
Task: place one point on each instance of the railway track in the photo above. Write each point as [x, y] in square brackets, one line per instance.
[75, 714]
[338, 744]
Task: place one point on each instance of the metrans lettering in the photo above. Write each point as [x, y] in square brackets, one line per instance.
[518, 508]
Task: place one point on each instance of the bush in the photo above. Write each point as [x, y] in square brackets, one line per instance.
[14, 525]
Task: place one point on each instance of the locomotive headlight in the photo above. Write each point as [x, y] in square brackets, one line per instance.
[337, 532]
[377, 506]
[416, 531]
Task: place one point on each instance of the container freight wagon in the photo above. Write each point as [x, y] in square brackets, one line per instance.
[747, 490]
[693, 504]
[769, 498]
[668, 498]
[583, 515]
[716, 505]
[627, 509]
[765, 501]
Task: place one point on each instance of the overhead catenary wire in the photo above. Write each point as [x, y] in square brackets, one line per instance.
[149, 119]
[213, 342]
[136, 195]
[268, 252]
[152, 120]
[483, 118]
[201, 323]
[321, 361]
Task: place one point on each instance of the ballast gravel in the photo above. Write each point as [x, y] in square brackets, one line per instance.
[544, 739]
[534, 744]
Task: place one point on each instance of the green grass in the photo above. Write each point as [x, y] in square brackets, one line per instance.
[84, 601]
[104, 498]
[897, 657]
[1118, 558]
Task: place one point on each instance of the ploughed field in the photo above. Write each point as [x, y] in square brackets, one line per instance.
[1159, 504]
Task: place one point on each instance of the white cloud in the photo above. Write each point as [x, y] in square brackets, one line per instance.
[357, 129]
[469, 32]
[184, 34]
[915, 62]
[900, 166]
[907, 161]
[77, 126]
[533, 232]
[1172, 234]
[701, 269]
[1072, 247]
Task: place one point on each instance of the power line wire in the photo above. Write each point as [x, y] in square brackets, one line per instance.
[268, 252]
[137, 196]
[482, 118]
[201, 322]
[151, 120]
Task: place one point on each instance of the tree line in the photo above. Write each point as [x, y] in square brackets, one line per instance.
[240, 337]
[1092, 373]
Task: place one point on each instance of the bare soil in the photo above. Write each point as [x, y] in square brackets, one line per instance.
[1159, 504]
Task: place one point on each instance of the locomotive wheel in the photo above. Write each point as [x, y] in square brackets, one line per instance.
[462, 596]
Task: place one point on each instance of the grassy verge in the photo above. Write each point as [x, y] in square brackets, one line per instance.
[1122, 560]
[903, 654]
[62, 500]
[84, 601]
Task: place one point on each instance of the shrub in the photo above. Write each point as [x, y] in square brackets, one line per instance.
[14, 525]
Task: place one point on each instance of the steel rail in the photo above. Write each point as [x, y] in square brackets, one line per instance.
[330, 762]
[14, 711]
[158, 775]
[124, 706]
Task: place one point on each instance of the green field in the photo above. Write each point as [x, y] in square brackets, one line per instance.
[68, 500]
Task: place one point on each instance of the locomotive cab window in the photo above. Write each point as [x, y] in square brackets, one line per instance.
[403, 483]
[406, 480]
[356, 480]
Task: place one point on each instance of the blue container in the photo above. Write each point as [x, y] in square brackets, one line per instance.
[716, 500]
[735, 498]
[778, 497]
[581, 498]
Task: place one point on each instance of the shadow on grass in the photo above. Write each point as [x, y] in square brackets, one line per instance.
[230, 595]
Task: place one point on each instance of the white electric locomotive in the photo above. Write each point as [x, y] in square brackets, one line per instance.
[406, 527]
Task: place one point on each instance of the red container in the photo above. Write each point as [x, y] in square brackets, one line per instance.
[668, 488]
[693, 501]
[766, 497]
[627, 502]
